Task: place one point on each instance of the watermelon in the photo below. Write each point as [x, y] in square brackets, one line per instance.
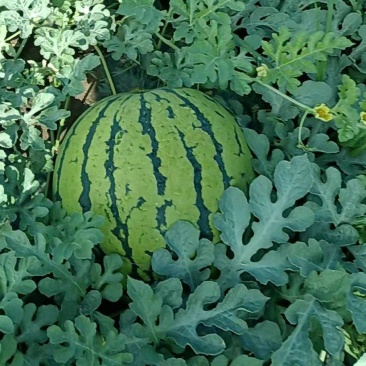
[145, 160]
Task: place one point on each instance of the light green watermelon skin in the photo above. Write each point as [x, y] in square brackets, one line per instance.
[145, 160]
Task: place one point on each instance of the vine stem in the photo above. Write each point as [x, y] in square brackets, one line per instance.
[163, 31]
[291, 100]
[20, 49]
[47, 186]
[106, 69]
[299, 141]
[167, 42]
[16, 34]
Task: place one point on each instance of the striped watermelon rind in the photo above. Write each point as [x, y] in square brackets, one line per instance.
[146, 160]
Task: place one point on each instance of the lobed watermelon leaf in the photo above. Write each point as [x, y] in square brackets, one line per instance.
[108, 283]
[34, 322]
[298, 347]
[335, 206]
[183, 327]
[262, 340]
[259, 144]
[130, 35]
[292, 181]
[313, 256]
[300, 50]
[159, 320]
[356, 300]
[23, 15]
[80, 341]
[194, 255]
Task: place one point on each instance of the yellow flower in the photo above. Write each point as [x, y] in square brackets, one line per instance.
[323, 113]
[262, 71]
[363, 117]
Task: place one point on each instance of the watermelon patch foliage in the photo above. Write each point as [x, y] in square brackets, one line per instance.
[285, 282]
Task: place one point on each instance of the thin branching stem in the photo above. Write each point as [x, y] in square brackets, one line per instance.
[16, 34]
[291, 100]
[21, 47]
[106, 69]
[167, 42]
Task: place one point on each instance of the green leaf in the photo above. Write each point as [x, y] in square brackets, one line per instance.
[171, 68]
[329, 287]
[346, 116]
[240, 83]
[348, 91]
[50, 116]
[76, 236]
[263, 339]
[312, 93]
[91, 302]
[298, 347]
[292, 181]
[350, 24]
[296, 53]
[110, 282]
[24, 15]
[195, 10]
[93, 19]
[6, 324]
[57, 44]
[34, 322]
[183, 327]
[359, 252]
[130, 40]
[15, 274]
[5, 141]
[80, 342]
[246, 360]
[68, 282]
[145, 304]
[234, 218]
[8, 348]
[144, 12]
[259, 144]
[170, 292]
[12, 306]
[356, 301]
[337, 206]
[73, 75]
[313, 256]
[358, 51]
[321, 142]
[194, 256]
[264, 20]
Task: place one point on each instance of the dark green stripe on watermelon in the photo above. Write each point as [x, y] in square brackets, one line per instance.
[240, 152]
[170, 111]
[109, 170]
[84, 199]
[203, 220]
[206, 126]
[159, 98]
[61, 157]
[161, 217]
[148, 129]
